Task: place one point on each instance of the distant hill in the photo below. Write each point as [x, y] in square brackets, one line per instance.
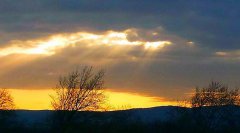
[214, 118]
[162, 113]
[146, 115]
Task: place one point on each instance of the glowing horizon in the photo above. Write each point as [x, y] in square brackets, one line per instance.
[40, 100]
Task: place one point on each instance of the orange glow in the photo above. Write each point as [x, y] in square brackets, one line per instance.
[32, 99]
[130, 100]
[40, 100]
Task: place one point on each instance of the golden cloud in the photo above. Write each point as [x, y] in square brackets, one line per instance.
[48, 46]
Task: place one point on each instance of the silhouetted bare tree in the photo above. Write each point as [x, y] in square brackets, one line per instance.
[216, 94]
[78, 91]
[6, 100]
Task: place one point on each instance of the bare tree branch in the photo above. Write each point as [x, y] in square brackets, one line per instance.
[216, 94]
[80, 90]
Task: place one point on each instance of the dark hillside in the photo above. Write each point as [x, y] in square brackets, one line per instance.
[146, 120]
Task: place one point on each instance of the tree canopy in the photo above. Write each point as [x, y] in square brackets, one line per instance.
[80, 90]
[215, 94]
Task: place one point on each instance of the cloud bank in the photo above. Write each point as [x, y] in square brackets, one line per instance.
[161, 48]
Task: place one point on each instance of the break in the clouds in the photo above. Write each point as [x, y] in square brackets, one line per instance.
[162, 48]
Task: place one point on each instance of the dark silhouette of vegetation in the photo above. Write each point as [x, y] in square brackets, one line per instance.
[79, 91]
[216, 94]
[6, 107]
[213, 107]
[214, 110]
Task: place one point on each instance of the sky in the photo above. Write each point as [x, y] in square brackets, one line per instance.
[156, 50]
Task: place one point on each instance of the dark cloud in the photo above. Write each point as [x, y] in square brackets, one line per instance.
[210, 23]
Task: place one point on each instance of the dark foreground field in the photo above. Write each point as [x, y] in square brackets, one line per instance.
[151, 120]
